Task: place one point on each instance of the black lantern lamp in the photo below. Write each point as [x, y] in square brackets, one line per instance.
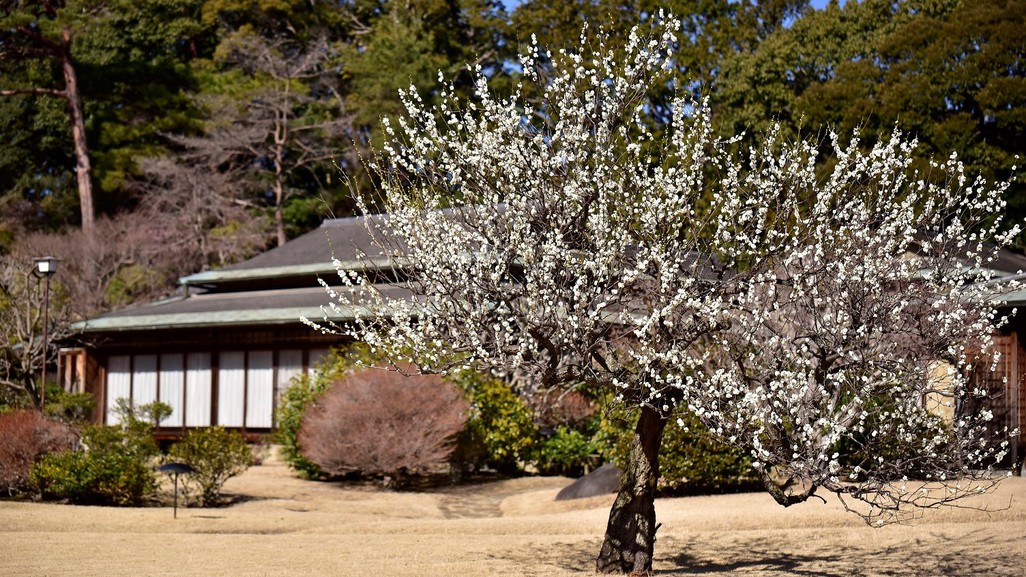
[46, 267]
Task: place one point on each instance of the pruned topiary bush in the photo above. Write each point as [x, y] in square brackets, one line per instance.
[25, 437]
[383, 424]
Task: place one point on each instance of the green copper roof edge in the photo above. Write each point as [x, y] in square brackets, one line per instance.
[215, 276]
[208, 319]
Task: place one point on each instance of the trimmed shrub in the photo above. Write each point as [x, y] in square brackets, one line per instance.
[567, 452]
[113, 469]
[25, 437]
[216, 455]
[500, 431]
[69, 407]
[692, 461]
[381, 423]
[114, 466]
[302, 392]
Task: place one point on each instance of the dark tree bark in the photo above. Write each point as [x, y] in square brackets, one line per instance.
[25, 41]
[83, 168]
[630, 533]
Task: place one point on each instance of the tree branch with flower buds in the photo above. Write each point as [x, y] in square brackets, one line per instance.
[566, 237]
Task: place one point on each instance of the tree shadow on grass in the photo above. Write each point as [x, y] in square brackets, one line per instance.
[745, 558]
[542, 559]
[932, 553]
[730, 554]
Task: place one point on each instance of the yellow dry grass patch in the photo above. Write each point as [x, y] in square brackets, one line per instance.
[295, 528]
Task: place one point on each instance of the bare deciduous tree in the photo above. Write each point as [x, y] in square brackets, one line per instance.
[21, 328]
[292, 122]
[198, 205]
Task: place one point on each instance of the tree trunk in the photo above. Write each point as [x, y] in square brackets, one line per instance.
[281, 138]
[279, 211]
[83, 168]
[630, 533]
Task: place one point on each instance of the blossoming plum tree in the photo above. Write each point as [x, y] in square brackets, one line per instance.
[798, 314]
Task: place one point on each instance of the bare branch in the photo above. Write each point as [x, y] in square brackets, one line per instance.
[36, 90]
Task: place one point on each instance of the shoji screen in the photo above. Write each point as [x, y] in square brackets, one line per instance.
[144, 379]
[290, 364]
[119, 384]
[316, 357]
[197, 390]
[260, 389]
[231, 389]
[172, 387]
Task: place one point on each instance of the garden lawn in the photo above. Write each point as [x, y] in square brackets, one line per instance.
[285, 526]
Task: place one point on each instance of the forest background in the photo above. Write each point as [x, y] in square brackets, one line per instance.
[142, 140]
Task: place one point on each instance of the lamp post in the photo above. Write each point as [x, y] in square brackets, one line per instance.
[46, 267]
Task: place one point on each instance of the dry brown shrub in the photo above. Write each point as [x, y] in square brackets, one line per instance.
[25, 436]
[382, 423]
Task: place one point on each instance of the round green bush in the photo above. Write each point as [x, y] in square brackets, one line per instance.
[500, 431]
[114, 465]
[567, 452]
[693, 461]
[216, 455]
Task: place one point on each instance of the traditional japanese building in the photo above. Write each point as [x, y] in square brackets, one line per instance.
[221, 351]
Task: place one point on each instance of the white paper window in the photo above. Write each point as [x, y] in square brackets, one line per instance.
[231, 389]
[119, 384]
[260, 390]
[172, 387]
[197, 390]
[144, 380]
[290, 364]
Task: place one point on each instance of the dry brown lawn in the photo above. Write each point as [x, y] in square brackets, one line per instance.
[288, 527]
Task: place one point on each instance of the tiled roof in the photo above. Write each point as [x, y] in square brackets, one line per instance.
[279, 286]
[274, 288]
[346, 239]
[266, 307]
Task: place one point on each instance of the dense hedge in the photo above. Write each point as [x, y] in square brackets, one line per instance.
[561, 435]
[500, 432]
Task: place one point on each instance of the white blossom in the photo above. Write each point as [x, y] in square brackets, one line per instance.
[796, 314]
